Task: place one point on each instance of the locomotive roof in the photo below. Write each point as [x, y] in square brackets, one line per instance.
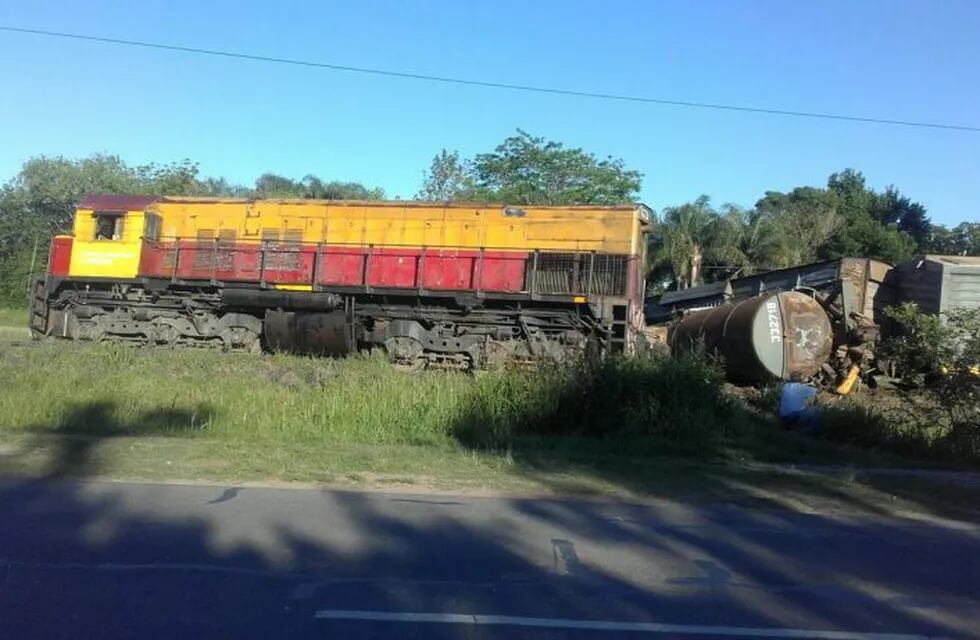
[137, 202]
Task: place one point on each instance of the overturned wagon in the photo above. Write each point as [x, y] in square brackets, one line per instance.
[844, 304]
[848, 295]
[776, 335]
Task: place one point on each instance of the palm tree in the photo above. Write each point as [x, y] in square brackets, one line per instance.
[692, 234]
[794, 227]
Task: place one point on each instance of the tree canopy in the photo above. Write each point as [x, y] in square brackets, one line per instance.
[691, 243]
[270, 185]
[39, 201]
[448, 178]
[524, 169]
[691, 234]
[806, 224]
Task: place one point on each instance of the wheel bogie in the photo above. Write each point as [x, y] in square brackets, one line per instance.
[414, 336]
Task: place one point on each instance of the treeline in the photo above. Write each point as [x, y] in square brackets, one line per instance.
[40, 200]
[691, 243]
[696, 243]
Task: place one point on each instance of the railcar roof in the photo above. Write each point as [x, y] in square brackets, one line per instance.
[972, 261]
[134, 202]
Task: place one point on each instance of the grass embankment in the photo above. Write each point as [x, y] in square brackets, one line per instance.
[13, 317]
[644, 427]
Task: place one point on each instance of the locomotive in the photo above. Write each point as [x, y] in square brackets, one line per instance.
[449, 285]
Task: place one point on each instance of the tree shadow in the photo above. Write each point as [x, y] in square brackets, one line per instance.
[73, 439]
[93, 559]
[89, 559]
[674, 433]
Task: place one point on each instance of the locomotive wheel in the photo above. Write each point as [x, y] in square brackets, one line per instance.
[240, 339]
[406, 354]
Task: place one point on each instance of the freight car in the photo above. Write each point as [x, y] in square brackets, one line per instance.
[847, 298]
[433, 284]
[783, 334]
[830, 330]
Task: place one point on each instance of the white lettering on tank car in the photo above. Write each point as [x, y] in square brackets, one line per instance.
[775, 326]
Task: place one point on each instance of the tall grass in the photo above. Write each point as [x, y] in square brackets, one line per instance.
[915, 428]
[10, 317]
[674, 400]
[104, 389]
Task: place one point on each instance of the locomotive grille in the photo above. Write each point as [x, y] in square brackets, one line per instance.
[581, 273]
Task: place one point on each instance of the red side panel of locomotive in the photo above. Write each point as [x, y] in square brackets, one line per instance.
[395, 268]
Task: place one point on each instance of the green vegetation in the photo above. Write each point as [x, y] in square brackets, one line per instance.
[695, 243]
[111, 390]
[13, 317]
[644, 427]
[525, 169]
[934, 413]
[644, 407]
[692, 243]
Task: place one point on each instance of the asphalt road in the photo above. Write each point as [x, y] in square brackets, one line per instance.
[112, 560]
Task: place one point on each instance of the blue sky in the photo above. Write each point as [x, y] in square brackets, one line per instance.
[900, 59]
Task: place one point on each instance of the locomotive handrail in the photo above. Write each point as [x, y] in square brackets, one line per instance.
[309, 272]
[289, 246]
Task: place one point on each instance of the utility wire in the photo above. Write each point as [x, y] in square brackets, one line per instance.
[494, 85]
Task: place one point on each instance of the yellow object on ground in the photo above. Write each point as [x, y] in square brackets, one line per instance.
[847, 385]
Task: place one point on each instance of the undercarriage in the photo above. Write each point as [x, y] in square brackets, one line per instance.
[415, 332]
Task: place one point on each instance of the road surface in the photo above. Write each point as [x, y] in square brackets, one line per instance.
[115, 560]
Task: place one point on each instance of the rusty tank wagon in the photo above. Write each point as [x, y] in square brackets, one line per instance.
[783, 334]
[849, 295]
[842, 300]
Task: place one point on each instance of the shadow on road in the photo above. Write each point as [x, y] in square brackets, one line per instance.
[106, 560]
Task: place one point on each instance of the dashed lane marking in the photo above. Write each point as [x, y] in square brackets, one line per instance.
[606, 625]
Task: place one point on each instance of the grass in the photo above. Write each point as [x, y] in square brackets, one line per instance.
[652, 407]
[657, 427]
[13, 317]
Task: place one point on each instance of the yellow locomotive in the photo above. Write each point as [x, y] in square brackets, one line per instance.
[434, 284]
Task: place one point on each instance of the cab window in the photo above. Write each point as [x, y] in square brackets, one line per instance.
[109, 225]
[151, 232]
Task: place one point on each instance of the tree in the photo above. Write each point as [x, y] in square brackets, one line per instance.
[891, 208]
[448, 178]
[314, 187]
[862, 234]
[691, 234]
[49, 188]
[794, 226]
[962, 240]
[270, 185]
[525, 169]
[40, 202]
[174, 179]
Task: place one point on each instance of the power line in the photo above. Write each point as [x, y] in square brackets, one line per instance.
[494, 85]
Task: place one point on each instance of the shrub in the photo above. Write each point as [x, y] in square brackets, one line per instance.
[855, 424]
[936, 359]
[678, 400]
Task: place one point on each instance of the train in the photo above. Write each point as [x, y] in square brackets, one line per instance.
[444, 285]
[819, 322]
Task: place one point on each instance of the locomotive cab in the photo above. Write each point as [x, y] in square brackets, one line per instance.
[108, 237]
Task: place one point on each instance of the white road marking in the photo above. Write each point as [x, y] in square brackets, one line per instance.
[606, 625]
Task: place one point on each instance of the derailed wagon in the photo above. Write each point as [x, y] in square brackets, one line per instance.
[848, 294]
